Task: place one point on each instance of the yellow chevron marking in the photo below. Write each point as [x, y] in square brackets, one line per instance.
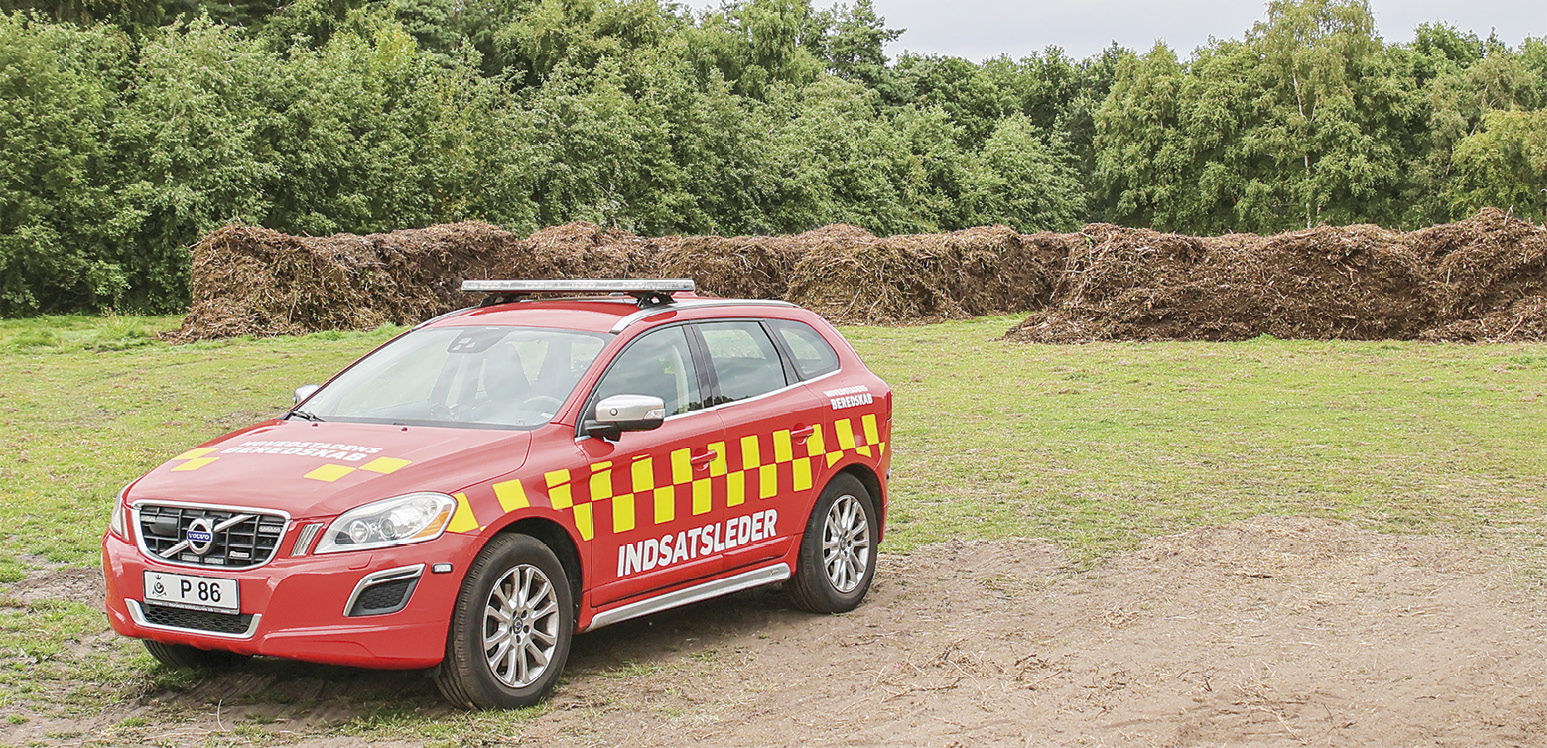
[623, 513]
[783, 450]
[559, 495]
[463, 520]
[736, 489]
[583, 521]
[385, 465]
[601, 481]
[803, 474]
[665, 504]
[845, 434]
[768, 481]
[815, 445]
[199, 462]
[872, 436]
[512, 495]
[643, 471]
[717, 466]
[327, 473]
[681, 466]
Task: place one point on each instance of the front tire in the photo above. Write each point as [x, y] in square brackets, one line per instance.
[185, 657]
[511, 628]
[837, 558]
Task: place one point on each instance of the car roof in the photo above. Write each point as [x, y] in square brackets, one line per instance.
[609, 314]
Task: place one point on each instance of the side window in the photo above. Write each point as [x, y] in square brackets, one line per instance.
[814, 356]
[746, 364]
[660, 364]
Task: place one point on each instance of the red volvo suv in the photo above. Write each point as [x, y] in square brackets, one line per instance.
[479, 489]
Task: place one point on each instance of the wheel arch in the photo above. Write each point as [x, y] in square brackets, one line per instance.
[872, 483]
[552, 534]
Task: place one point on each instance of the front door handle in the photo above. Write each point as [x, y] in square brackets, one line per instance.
[702, 460]
[803, 433]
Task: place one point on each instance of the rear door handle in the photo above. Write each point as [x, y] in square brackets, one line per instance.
[703, 459]
[803, 433]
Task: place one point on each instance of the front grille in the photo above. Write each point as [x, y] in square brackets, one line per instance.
[247, 543]
[198, 620]
[383, 597]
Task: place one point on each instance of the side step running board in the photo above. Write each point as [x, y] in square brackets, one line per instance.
[694, 594]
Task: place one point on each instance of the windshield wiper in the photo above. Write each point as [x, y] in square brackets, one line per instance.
[304, 414]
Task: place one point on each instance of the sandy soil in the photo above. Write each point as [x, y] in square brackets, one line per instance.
[1268, 632]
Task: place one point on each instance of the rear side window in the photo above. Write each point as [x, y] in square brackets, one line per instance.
[660, 364]
[813, 355]
[746, 364]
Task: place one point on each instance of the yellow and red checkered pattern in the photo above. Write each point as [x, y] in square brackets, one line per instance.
[652, 489]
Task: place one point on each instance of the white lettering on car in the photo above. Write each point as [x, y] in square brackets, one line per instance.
[846, 391]
[671, 549]
[347, 452]
[852, 401]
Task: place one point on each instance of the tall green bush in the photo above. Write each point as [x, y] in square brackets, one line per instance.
[62, 221]
[130, 127]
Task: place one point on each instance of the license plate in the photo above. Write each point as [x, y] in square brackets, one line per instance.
[194, 593]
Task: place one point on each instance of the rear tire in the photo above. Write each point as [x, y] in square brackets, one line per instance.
[191, 658]
[511, 628]
[837, 558]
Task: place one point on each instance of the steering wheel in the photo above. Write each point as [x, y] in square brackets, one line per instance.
[536, 402]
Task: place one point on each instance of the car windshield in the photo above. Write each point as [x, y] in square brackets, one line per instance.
[480, 377]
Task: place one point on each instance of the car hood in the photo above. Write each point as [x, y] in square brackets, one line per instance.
[313, 469]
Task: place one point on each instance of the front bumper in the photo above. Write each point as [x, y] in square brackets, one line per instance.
[297, 606]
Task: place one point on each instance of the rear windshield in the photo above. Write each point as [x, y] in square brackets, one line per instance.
[482, 377]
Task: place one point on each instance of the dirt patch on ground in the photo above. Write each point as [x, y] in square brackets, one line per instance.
[1272, 631]
[64, 583]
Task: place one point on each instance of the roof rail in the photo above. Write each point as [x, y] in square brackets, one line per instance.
[650, 292]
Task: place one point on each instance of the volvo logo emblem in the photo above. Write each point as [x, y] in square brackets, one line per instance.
[200, 536]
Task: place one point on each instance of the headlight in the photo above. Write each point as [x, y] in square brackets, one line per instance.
[413, 518]
[116, 523]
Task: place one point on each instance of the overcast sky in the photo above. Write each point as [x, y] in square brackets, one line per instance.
[976, 29]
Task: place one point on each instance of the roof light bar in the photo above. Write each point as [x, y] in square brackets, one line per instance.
[582, 285]
[648, 291]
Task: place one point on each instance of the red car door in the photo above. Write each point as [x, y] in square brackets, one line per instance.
[653, 491]
[773, 448]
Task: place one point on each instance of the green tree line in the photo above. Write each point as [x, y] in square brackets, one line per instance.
[130, 127]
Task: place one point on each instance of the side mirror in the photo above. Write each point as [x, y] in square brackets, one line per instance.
[305, 391]
[620, 413]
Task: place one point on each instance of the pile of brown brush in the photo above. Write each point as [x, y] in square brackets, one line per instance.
[863, 279]
[253, 281]
[1357, 282]
[1490, 272]
[1484, 278]
[1481, 279]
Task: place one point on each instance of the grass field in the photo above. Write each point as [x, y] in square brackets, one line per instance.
[1094, 448]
